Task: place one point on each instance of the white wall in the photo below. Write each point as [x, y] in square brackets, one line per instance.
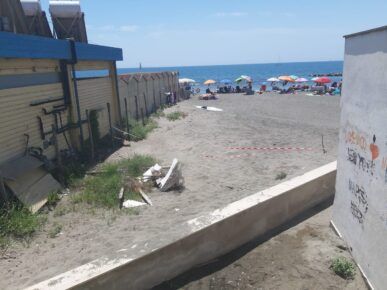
[360, 208]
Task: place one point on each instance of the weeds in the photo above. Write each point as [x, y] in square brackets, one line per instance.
[102, 189]
[139, 131]
[344, 268]
[52, 199]
[55, 231]
[159, 113]
[17, 222]
[138, 164]
[174, 116]
[280, 176]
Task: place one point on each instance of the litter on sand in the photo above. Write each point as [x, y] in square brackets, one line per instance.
[213, 109]
[132, 203]
[173, 177]
[154, 171]
[164, 177]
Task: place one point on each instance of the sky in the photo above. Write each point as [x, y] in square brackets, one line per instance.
[213, 32]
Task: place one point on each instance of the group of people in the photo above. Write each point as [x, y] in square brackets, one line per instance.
[333, 89]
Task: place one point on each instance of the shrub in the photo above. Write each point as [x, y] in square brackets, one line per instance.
[280, 176]
[176, 116]
[18, 222]
[344, 268]
[139, 131]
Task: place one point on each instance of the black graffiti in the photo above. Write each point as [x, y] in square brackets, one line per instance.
[359, 202]
[361, 162]
[360, 195]
[356, 212]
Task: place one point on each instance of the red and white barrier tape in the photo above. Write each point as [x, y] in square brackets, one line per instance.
[271, 148]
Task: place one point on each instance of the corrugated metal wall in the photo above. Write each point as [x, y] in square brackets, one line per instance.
[18, 117]
[94, 94]
[150, 88]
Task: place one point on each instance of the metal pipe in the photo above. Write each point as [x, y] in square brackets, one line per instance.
[75, 84]
[77, 104]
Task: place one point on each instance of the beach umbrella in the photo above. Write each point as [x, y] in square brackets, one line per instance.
[209, 82]
[226, 81]
[315, 78]
[185, 80]
[301, 80]
[294, 77]
[323, 80]
[244, 78]
[286, 79]
[273, 80]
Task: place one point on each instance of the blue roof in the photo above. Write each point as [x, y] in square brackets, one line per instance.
[27, 46]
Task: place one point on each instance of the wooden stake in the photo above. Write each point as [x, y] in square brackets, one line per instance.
[91, 138]
[121, 197]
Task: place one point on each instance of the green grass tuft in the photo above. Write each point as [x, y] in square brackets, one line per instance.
[280, 176]
[18, 222]
[139, 132]
[344, 268]
[174, 116]
[102, 189]
[138, 164]
[52, 199]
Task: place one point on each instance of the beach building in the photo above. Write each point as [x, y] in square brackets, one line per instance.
[47, 110]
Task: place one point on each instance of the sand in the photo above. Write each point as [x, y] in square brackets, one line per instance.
[215, 175]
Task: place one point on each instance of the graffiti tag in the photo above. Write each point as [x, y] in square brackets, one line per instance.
[359, 203]
[355, 138]
[361, 162]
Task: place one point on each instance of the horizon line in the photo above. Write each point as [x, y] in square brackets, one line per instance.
[235, 64]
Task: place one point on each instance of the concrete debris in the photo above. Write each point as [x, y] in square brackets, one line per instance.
[165, 178]
[154, 172]
[213, 109]
[172, 179]
[132, 203]
[145, 198]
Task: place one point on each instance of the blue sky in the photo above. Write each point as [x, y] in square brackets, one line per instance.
[199, 32]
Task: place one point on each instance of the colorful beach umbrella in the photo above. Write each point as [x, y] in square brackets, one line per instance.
[286, 79]
[273, 80]
[294, 77]
[301, 80]
[244, 78]
[185, 80]
[226, 81]
[209, 82]
[323, 80]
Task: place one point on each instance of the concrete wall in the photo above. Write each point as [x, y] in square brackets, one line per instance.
[202, 239]
[149, 88]
[360, 208]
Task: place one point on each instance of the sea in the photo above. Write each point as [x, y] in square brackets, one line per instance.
[259, 72]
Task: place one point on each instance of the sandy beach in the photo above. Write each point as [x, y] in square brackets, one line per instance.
[225, 156]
